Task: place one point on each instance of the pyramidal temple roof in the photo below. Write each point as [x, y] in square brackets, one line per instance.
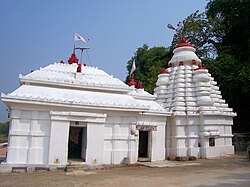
[186, 86]
[79, 85]
[67, 75]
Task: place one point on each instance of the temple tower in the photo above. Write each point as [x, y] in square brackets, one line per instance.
[200, 123]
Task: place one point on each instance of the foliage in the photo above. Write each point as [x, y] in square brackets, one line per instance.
[233, 29]
[149, 62]
[4, 128]
[225, 70]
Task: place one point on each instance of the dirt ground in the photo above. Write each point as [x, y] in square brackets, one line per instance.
[228, 171]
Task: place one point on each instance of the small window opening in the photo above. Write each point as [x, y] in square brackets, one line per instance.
[211, 142]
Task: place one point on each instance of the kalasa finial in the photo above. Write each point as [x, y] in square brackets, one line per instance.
[183, 43]
[183, 39]
[73, 59]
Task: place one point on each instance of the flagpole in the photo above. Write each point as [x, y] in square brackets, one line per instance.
[81, 56]
[77, 37]
[74, 49]
[81, 49]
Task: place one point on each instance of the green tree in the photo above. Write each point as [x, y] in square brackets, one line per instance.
[149, 62]
[4, 129]
[232, 32]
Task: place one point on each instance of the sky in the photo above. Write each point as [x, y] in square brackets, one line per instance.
[34, 33]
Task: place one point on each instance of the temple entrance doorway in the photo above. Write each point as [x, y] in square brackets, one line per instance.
[143, 151]
[77, 143]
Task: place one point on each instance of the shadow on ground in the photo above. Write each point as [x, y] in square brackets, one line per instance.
[234, 179]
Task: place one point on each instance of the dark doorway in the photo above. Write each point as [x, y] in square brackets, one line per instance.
[143, 144]
[75, 143]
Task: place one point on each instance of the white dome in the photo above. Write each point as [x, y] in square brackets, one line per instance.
[185, 54]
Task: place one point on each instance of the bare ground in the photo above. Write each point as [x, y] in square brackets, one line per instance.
[227, 171]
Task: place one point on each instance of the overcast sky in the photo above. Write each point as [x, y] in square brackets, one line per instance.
[36, 33]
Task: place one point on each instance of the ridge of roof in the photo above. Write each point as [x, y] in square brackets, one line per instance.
[78, 97]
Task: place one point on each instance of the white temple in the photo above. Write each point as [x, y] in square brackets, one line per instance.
[200, 124]
[72, 111]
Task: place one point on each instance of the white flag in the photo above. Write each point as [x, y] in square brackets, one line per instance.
[133, 68]
[79, 38]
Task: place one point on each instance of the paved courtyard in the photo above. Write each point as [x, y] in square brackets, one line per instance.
[228, 171]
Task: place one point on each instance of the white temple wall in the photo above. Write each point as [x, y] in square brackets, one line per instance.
[37, 137]
[158, 144]
[209, 152]
[58, 148]
[157, 148]
[28, 137]
[221, 125]
[32, 136]
[182, 136]
[92, 125]
[119, 143]
[95, 143]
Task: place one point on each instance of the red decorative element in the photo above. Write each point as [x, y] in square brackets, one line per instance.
[132, 81]
[181, 63]
[79, 68]
[73, 59]
[164, 71]
[62, 62]
[193, 62]
[170, 65]
[183, 43]
[139, 86]
[200, 67]
[183, 40]
[84, 64]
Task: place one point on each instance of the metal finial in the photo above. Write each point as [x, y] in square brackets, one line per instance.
[179, 30]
